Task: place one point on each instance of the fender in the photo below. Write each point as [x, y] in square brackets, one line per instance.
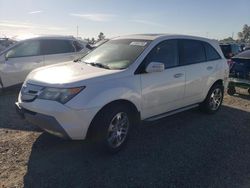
[98, 95]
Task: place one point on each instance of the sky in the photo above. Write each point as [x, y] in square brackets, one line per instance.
[215, 19]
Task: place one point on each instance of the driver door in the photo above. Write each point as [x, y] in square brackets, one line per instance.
[163, 91]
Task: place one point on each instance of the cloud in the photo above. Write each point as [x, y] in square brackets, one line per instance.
[35, 12]
[145, 22]
[27, 25]
[15, 24]
[94, 17]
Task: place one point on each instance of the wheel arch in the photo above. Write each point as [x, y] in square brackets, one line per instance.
[220, 82]
[129, 104]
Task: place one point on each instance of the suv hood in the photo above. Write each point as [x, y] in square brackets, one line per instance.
[67, 73]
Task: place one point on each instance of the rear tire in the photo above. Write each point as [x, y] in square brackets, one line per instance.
[231, 91]
[214, 99]
[248, 91]
[111, 127]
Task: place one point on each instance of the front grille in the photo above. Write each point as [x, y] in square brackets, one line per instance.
[29, 92]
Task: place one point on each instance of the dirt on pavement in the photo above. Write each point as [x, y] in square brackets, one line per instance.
[190, 149]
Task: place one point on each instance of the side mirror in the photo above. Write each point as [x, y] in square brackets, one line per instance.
[155, 67]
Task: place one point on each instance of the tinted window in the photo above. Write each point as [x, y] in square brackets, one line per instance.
[56, 46]
[166, 52]
[191, 51]
[211, 53]
[25, 49]
[78, 47]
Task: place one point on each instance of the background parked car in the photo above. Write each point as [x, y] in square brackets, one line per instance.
[240, 72]
[17, 61]
[99, 43]
[230, 50]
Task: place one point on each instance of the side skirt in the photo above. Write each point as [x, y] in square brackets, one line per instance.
[154, 118]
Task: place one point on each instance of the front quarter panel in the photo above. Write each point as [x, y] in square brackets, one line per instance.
[101, 93]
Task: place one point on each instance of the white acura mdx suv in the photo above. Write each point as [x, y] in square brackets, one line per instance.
[131, 78]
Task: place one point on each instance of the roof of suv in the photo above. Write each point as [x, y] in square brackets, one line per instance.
[155, 36]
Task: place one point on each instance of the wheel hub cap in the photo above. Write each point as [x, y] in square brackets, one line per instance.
[118, 129]
[215, 99]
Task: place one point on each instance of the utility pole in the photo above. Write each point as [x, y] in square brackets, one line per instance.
[77, 31]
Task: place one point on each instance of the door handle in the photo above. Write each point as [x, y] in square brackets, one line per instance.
[178, 75]
[210, 68]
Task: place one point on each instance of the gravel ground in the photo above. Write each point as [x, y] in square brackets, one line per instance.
[190, 149]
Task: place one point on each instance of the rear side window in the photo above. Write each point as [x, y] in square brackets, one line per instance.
[52, 46]
[191, 51]
[166, 52]
[211, 53]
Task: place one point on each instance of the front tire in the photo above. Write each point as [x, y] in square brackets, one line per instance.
[111, 127]
[213, 100]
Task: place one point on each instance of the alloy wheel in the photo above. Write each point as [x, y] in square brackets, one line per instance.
[215, 99]
[118, 129]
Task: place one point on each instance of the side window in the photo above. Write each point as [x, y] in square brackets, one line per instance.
[211, 53]
[25, 49]
[78, 47]
[165, 52]
[55, 46]
[191, 51]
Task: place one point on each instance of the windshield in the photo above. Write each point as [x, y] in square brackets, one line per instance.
[116, 54]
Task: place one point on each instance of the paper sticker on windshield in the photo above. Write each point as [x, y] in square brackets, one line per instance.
[137, 43]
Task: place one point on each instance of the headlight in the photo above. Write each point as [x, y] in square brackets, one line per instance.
[60, 95]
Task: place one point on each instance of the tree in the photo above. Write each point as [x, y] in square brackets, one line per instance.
[228, 40]
[244, 36]
[101, 36]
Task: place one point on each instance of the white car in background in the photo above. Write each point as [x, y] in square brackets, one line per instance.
[17, 61]
[125, 80]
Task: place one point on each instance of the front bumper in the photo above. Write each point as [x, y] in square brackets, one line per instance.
[45, 122]
[56, 118]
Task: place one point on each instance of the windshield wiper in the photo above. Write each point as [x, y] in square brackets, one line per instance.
[100, 65]
[79, 59]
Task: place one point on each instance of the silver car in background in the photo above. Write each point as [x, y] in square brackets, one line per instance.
[24, 56]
